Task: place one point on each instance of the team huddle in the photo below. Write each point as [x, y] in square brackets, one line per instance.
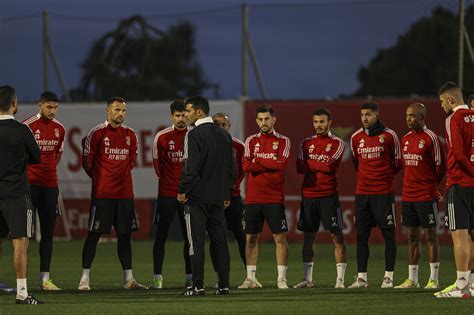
[200, 167]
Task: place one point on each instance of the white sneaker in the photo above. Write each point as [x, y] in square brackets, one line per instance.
[250, 284]
[339, 284]
[281, 284]
[359, 283]
[304, 284]
[387, 283]
[455, 292]
[84, 285]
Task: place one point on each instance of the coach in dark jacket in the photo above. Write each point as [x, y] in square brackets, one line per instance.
[206, 187]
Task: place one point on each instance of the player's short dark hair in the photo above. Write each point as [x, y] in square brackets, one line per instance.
[370, 105]
[7, 95]
[199, 102]
[177, 106]
[265, 109]
[322, 111]
[448, 87]
[114, 99]
[48, 96]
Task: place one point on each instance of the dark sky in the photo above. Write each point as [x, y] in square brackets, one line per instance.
[304, 51]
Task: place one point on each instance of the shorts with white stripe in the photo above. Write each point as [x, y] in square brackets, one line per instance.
[460, 208]
[323, 209]
[17, 216]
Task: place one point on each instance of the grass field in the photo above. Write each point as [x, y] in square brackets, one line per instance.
[108, 297]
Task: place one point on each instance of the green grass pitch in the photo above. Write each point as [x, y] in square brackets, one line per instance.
[107, 296]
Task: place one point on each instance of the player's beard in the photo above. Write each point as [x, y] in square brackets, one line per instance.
[118, 120]
[265, 129]
[322, 131]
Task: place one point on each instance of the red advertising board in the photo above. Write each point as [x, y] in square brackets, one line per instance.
[294, 120]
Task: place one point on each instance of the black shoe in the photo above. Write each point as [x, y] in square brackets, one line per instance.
[30, 299]
[222, 291]
[193, 291]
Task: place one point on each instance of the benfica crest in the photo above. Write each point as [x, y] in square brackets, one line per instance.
[275, 145]
[56, 132]
[421, 144]
[328, 147]
[127, 139]
[382, 138]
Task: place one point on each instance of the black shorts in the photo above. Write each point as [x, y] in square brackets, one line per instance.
[234, 213]
[375, 210]
[17, 217]
[165, 210]
[106, 213]
[460, 208]
[45, 201]
[256, 214]
[316, 210]
[420, 213]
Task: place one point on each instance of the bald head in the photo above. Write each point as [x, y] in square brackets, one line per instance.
[415, 116]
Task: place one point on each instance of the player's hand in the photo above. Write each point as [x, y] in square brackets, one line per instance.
[181, 198]
[226, 203]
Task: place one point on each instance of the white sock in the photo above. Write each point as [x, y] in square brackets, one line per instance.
[282, 271]
[463, 278]
[251, 271]
[157, 277]
[362, 275]
[389, 274]
[413, 273]
[85, 275]
[127, 275]
[341, 271]
[21, 290]
[44, 276]
[471, 279]
[434, 270]
[308, 271]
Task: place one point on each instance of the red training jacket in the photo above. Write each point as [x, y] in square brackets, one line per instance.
[49, 135]
[265, 159]
[318, 159]
[378, 159]
[425, 165]
[168, 159]
[108, 157]
[460, 140]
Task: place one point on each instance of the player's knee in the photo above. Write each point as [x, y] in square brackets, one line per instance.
[413, 238]
[280, 239]
[338, 240]
[252, 240]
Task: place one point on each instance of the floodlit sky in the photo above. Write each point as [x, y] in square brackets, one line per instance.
[305, 48]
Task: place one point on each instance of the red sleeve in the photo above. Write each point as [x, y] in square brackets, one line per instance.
[457, 147]
[302, 160]
[89, 145]
[395, 153]
[60, 149]
[133, 149]
[157, 155]
[331, 165]
[279, 162]
[355, 156]
[439, 157]
[247, 165]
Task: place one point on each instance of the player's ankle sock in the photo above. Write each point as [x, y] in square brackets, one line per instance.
[85, 275]
[308, 271]
[251, 271]
[362, 275]
[413, 273]
[389, 274]
[21, 290]
[157, 277]
[434, 270]
[463, 278]
[127, 275]
[44, 276]
[282, 271]
[341, 270]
